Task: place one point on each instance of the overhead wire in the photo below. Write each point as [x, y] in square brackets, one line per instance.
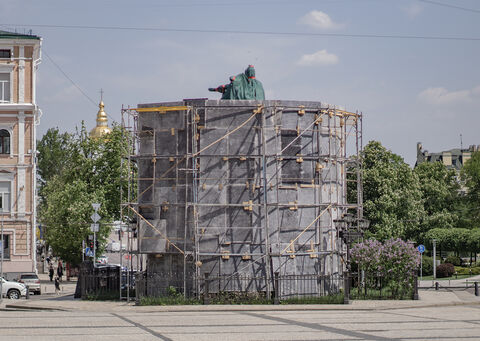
[450, 6]
[274, 33]
[71, 81]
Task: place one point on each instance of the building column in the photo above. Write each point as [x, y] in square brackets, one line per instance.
[21, 75]
[21, 171]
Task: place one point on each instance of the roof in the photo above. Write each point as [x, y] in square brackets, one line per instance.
[14, 35]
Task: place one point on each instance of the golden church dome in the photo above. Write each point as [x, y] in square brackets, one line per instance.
[102, 123]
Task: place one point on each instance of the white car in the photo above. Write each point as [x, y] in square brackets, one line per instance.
[13, 290]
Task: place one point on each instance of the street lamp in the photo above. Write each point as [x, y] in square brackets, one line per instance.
[349, 228]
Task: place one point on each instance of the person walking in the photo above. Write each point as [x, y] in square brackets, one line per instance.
[57, 285]
[60, 270]
[50, 272]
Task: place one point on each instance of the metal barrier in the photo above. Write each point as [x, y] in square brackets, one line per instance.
[239, 286]
[378, 287]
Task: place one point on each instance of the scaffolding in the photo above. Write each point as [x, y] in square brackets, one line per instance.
[242, 188]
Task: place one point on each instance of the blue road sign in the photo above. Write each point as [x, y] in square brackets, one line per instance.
[88, 252]
[421, 248]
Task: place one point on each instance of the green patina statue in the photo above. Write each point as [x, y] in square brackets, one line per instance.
[242, 86]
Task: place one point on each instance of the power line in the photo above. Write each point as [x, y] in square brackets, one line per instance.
[450, 6]
[304, 34]
[71, 81]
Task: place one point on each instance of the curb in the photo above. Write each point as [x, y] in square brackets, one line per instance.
[243, 308]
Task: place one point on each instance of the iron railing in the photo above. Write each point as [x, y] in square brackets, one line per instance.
[209, 287]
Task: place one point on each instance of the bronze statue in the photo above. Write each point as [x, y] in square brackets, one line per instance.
[242, 86]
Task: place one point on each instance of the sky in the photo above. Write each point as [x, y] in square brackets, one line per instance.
[375, 56]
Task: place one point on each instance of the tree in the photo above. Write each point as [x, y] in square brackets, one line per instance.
[471, 176]
[67, 216]
[392, 195]
[91, 171]
[53, 151]
[440, 190]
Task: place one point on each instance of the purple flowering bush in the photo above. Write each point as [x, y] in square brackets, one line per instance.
[392, 263]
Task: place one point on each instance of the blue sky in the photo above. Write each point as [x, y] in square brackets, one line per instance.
[409, 90]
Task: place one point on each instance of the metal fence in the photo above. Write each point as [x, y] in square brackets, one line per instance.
[99, 282]
[362, 286]
[238, 286]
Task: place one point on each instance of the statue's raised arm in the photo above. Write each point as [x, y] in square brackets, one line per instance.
[242, 86]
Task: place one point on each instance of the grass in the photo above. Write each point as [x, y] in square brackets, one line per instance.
[330, 299]
[238, 298]
[429, 278]
[168, 300]
[375, 294]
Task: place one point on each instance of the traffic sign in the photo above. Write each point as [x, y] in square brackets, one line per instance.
[421, 248]
[88, 252]
[96, 206]
[94, 227]
[95, 217]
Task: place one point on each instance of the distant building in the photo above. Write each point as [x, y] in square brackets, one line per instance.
[452, 159]
[20, 56]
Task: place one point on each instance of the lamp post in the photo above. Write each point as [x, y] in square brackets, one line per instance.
[349, 228]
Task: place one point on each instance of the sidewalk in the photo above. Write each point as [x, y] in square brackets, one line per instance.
[48, 288]
[66, 302]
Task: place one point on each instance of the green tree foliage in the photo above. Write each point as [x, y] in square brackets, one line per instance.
[392, 195]
[67, 217]
[471, 176]
[440, 190]
[53, 151]
[454, 239]
[90, 171]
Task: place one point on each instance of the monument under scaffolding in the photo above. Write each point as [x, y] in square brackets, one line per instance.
[243, 190]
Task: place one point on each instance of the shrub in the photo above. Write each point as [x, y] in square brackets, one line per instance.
[468, 271]
[455, 260]
[427, 266]
[394, 261]
[445, 270]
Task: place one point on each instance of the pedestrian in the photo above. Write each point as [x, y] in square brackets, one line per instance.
[57, 285]
[50, 272]
[60, 270]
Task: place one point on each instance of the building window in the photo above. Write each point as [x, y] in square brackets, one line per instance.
[6, 246]
[4, 196]
[5, 54]
[4, 87]
[4, 141]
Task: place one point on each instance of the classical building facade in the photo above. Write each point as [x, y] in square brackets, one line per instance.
[452, 159]
[19, 116]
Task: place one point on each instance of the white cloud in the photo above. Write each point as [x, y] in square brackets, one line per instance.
[319, 20]
[413, 10]
[440, 95]
[321, 57]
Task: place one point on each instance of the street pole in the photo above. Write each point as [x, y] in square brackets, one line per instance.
[421, 266]
[95, 218]
[94, 247]
[434, 259]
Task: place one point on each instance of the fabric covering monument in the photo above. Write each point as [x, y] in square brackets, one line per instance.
[242, 86]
